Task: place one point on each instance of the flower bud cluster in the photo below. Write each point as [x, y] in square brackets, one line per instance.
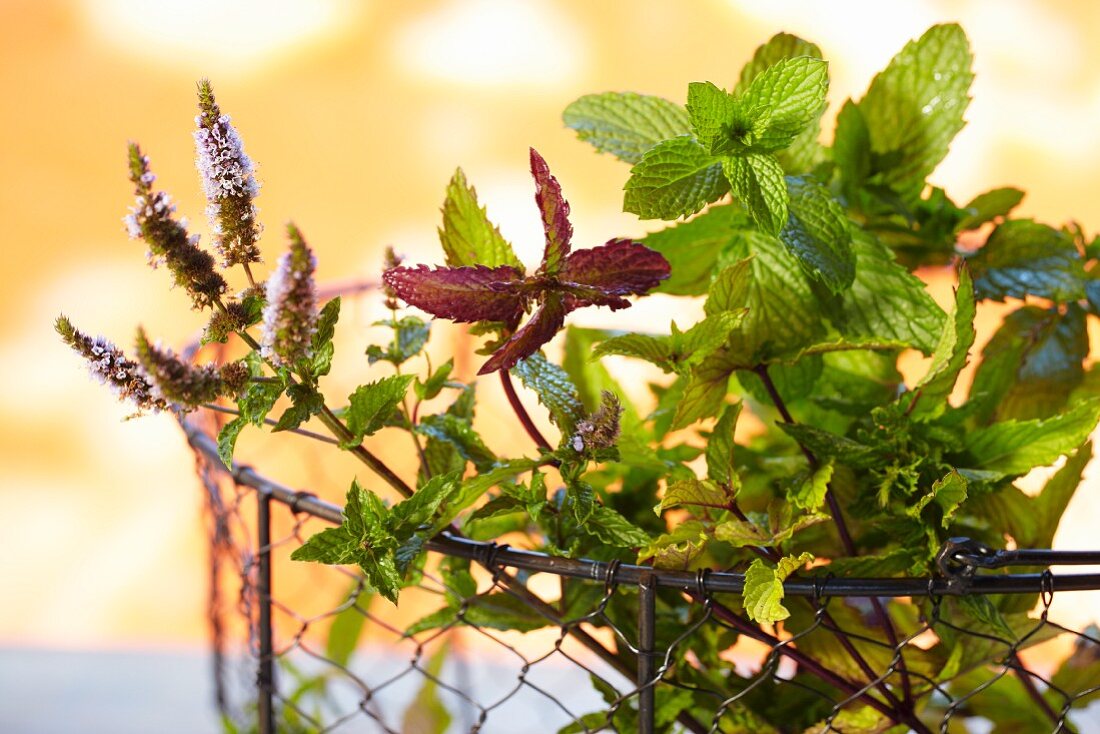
[601, 429]
[151, 220]
[290, 314]
[188, 385]
[111, 367]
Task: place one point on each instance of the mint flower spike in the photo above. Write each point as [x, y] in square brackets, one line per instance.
[290, 315]
[185, 384]
[229, 181]
[564, 281]
[150, 219]
[111, 367]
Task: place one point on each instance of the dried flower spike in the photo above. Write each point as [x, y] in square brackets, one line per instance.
[188, 385]
[601, 429]
[564, 281]
[151, 220]
[111, 367]
[290, 316]
[229, 182]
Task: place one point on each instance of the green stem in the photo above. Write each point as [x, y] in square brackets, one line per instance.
[341, 432]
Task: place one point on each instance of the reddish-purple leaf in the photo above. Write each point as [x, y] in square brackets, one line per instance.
[555, 215]
[618, 268]
[538, 330]
[474, 293]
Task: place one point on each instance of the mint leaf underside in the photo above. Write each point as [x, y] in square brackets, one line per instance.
[625, 124]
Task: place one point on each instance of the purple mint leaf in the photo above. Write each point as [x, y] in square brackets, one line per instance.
[555, 215]
[538, 330]
[617, 268]
[473, 293]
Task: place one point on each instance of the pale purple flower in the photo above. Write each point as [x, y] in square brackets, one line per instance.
[229, 180]
[110, 366]
[290, 315]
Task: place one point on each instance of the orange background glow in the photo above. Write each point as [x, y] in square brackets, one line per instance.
[357, 114]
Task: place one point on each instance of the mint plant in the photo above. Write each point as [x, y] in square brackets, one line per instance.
[803, 255]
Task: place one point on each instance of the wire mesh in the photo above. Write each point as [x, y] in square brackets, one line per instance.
[493, 639]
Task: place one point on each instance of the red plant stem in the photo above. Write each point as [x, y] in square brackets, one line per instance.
[846, 541]
[1024, 675]
[810, 664]
[521, 412]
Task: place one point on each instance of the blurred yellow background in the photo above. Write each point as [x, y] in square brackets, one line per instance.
[357, 114]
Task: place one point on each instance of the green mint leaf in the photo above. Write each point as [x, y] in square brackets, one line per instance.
[502, 611]
[1011, 448]
[987, 617]
[435, 383]
[608, 526]
[720, 447]
[929, 400]
[306, 402]
[227, 439]
[704, 338]
[763, 593]
[582, 499]
[676, 352]
[334, 546]
[756, 180]
[712, 112]
[675, 178]
[371, 405]
[780, 47]
[818, 234]
[790, 95]
[654, 349]
[1032, 364]
[554, 389]
[948, 493]
[677, 549]
[467, 235]
[729, 291]
[625, 124]
[419, 510]
[804, 151]
[459, 433]
[852, 149]
[705, 391]
[694, 493]
[809, 495]
[915, 106]
[1023, 258]
[410, 335]
[322, 338]
[773, 325]
[475, 487]
[692, 248]
[886, 301]
[826, 444]
[989, 206]
[1049, 505]
[740, 533]
[258, 400]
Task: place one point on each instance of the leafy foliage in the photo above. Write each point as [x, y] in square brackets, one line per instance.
[780, 431]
